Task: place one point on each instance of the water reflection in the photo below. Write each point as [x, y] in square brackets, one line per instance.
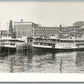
[42, 62]
[80, 62]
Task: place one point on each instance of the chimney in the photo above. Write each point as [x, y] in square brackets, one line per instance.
[21, 20]
[10, 28]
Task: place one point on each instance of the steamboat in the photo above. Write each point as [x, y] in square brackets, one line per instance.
[12, 43]
[55, 43]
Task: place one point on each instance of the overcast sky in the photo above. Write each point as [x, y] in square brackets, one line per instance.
[44, 13]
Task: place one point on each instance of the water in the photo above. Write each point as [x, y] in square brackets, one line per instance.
[42, 62]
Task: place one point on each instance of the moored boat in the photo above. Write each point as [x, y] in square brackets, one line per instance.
[59, 44]
[12, 43]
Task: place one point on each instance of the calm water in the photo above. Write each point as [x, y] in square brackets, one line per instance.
[42, 62]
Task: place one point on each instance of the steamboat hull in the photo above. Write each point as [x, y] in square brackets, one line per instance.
[59, 45]
[57, 49]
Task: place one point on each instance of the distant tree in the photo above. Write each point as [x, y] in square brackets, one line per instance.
[78, 24]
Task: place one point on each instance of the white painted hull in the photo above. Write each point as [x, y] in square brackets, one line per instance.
[12, 42]
[60, 48]
[9, 46]
[41, 46]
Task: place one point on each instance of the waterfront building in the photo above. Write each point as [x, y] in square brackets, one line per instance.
[45, 32]
[67, 32]
[61, 32]
[22, 28]
[31, 29]
[3, 33]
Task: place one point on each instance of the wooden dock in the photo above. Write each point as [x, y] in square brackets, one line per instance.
[25, 47]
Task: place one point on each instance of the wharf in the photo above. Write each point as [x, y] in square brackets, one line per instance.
[26, 46]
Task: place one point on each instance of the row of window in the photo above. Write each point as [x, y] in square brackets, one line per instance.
[65, 45]
[49, 44]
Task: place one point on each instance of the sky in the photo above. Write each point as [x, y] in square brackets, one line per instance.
[44, 13]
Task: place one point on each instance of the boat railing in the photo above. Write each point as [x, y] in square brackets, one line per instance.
[46, 41]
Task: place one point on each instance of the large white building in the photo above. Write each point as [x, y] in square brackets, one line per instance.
[23, 28]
